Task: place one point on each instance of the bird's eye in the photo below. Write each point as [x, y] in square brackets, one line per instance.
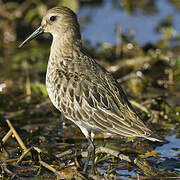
[52, 18]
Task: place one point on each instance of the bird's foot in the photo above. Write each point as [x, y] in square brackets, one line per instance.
[91, 154]
[85, 166]
[92, 170]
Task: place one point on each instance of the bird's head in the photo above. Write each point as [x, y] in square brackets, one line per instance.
[60, 22]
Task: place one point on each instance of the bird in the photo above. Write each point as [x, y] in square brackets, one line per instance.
[83, 90]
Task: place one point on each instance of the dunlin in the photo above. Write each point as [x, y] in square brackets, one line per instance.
[82, 89]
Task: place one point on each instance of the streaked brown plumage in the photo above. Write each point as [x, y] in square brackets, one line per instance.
[82, 89]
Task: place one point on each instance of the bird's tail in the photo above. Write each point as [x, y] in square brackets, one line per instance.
[154, 138]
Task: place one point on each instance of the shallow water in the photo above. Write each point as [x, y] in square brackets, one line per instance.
[169, 150]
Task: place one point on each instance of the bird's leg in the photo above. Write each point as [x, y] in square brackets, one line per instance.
[91, 153]
[87, 160]
[92, 156]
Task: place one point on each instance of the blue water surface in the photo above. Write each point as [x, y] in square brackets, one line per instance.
[104, 18]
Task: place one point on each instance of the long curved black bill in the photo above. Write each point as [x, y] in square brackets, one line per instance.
[32, 36]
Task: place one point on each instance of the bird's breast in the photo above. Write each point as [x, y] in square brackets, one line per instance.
[54, 81]
[59, 84]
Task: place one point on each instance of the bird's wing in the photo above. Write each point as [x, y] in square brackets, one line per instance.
[99, 101]
[110, 110]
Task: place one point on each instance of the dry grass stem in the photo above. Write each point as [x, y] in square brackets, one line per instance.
[6, 137]
[139, 106]
[22, 145]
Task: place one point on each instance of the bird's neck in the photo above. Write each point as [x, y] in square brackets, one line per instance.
[65, 47]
